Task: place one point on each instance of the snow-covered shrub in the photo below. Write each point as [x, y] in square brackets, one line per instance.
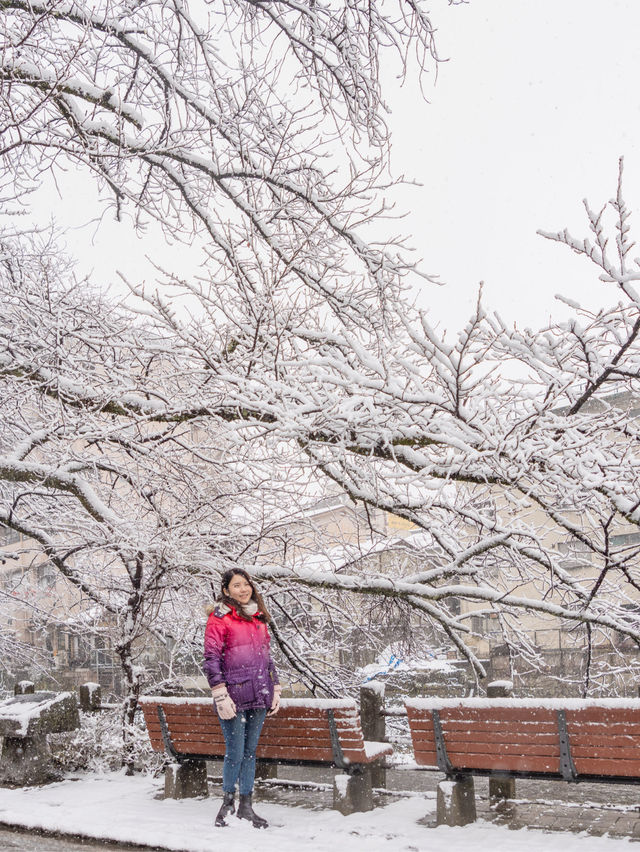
[97, 745]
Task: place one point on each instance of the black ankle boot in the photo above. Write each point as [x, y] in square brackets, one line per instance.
[246, 811]
[227, 807]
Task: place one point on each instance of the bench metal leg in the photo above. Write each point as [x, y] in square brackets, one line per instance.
[352, 793]
[186, 780]
[378, 775]
[456, 801]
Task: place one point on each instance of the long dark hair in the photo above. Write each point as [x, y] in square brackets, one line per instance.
[226, 578]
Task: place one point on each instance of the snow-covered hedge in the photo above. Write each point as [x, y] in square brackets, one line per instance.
[97, 746]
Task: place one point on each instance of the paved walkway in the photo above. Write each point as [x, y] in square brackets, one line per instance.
[597, 809]
[557, 806]
[35, 841]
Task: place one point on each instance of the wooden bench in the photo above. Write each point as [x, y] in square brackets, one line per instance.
[305, 732]
[566, 739]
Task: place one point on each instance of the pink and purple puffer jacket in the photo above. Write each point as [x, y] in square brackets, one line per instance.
[236, 652]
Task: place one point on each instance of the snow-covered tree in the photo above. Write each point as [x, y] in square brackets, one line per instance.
[257, 129]
[526, 489]
[134, 511]
[257, 126]
[221, 123]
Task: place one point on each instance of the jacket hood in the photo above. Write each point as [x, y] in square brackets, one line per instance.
[221, 609]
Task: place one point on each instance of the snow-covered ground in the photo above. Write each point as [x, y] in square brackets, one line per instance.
[132, 810]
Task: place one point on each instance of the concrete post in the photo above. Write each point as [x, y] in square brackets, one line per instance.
[371, 711]
[353, 793]
[90, 697]
[186, 780]
[500, 689]
[372, 720]
[501, 787]
[25, 761]
[456, 802]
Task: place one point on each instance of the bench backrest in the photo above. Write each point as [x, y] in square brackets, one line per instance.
[301, 732]
[568, 739]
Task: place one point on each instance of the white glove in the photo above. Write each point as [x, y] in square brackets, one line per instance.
[275, 704]
[224, 704]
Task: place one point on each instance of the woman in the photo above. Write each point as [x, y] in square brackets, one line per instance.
[244, 684]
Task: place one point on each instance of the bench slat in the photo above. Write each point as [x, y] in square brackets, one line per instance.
[212, 727]
[604, 715]
[609, 768]
[605, 753]
[518, 715]
[282, 739]
[508, 764]
[319, 737]
[492, 736]
[187, 739]
[612, 730]
[208, 747]
[499, 727]
[629, 745]
[424, 757]
[311, 754]
[488, 749]
[174, 720]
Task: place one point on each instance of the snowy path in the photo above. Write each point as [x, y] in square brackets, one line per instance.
[131, 810]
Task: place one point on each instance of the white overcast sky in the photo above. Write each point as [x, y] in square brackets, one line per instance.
[528, 116]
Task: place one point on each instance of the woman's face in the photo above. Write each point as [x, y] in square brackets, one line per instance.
[239, 589]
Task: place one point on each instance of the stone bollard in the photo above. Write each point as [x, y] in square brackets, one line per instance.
[90, 695]
[373, 725]
[25, 722]
[186, 780]
[500, 689]
[353, 793]
[26, 761]
[501, 788]
[24, 687]
[456, 802]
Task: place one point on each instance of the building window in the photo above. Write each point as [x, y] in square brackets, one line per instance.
[477, 623]
[485, 625]
[46, 575]
[625, 540]
[576, 554]
[8, 536]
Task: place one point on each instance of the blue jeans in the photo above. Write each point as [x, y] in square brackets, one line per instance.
[241, 736]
